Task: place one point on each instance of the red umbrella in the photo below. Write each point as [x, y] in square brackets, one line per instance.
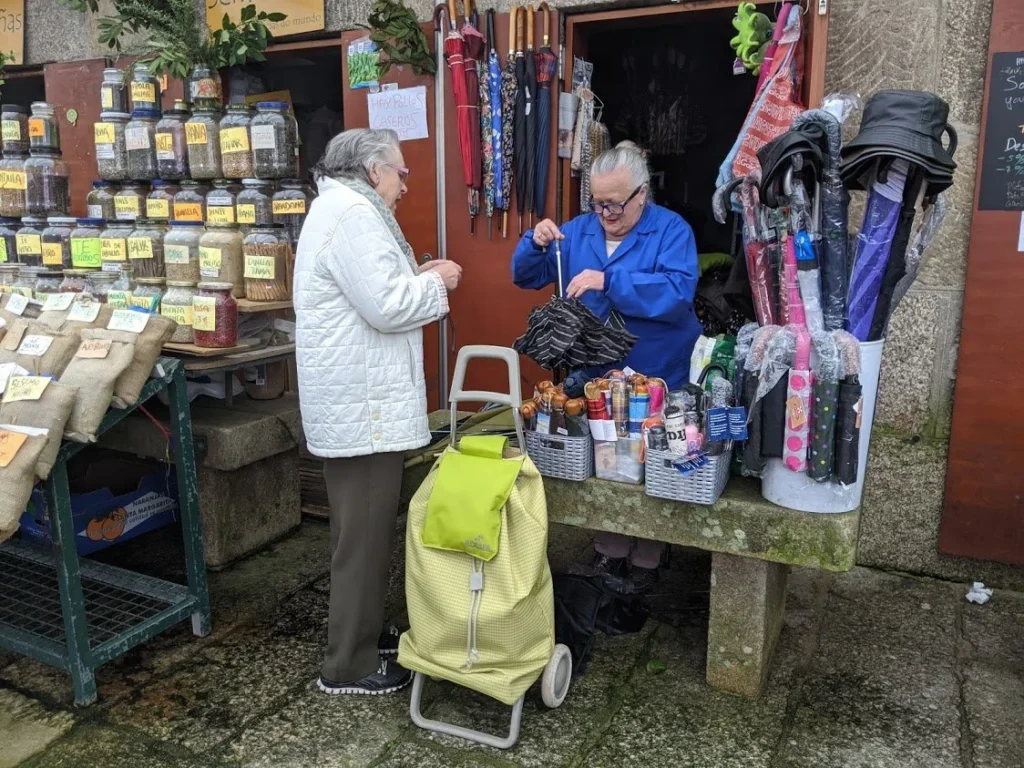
[468, 122]
[475, 47]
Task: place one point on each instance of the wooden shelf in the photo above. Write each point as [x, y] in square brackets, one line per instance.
[246, 345]
[247, 306]
[243, 359]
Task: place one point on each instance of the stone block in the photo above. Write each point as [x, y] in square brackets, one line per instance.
[994, 704]
[965, 26]
[747, 602]
[27, 728]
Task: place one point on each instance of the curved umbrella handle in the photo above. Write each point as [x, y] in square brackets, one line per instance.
[440, 11]
[529, 27]
[949, 131]
[491, 37]
[546, 10]
[472, 13]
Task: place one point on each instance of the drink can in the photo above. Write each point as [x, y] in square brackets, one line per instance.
[675, 430]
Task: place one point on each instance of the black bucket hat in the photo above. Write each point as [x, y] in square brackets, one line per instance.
[911, 122]
[859, 170]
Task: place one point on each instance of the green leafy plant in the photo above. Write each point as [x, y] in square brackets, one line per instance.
[398, 35]
[5, 59]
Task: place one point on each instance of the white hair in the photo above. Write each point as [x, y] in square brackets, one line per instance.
[353, 154]
[626, 155]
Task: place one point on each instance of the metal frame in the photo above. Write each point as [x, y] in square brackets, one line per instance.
[87, 588]
[457, 730]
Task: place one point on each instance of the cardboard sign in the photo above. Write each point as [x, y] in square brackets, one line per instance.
[14, 337]
[17, 304]
[104, 133]
[204, 313]
[25, 388]
[181, 314]
[263, 137]
[195, 133]
[234, 140]
[94, 349]
[176, 254]
[165, 146]
[220, 214]
[301, 15]
[53, 254]
[127, 320]
[143, 92]
[10, 444]
[246, 213]
[85, 311]
[11, 130]
[13, 180]
[209, 261]
[188, 211]
[126, 207]
[58, 302]
[113, 249]
[29, 245]
[12, 30]
[118, 300]
[86, 253]
[35, 345]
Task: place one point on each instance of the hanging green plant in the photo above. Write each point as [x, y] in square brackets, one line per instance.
[397, 33]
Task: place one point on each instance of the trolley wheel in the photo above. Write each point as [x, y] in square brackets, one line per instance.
[554, 684]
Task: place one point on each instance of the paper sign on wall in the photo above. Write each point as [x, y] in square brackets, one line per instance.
[403, 111]
[12, 30]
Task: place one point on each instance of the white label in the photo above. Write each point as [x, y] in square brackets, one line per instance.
[58, 302]
[136, 137]
[17, 304]
[208, 272]
[105, 152]
[128, 320]
[6, 371]
[262, 137]
[84, 312]
[403, 111]
[95, 211]
[35, 345]
[111, 266]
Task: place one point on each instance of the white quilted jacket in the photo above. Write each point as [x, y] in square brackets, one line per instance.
[359, 310]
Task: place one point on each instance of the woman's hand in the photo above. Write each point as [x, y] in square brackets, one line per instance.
[449, 271]
[587, 280]
[545, 232]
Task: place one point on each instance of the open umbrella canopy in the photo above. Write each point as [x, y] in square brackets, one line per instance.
[547, 67]
[455, 52]
[564, 333]
[509, 105]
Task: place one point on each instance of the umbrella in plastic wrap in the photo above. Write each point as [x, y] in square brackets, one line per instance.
[795, 314]
[509, 101]
[475, 48]
[455, 51]
[933, 216]
[798, 405]
[547, 67]
[848, 411]
[805, 245]
[491, 129]
[744, 341]
[772, 388]
[825, 400]
[753, 460]
[881, 218]
[754, 247]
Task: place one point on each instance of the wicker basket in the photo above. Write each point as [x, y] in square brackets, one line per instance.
[563, 457]
[702, 486]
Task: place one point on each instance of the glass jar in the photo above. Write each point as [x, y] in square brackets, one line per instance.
[13, 185]
[254, 207]
[220, 257]
[160, 202]
[149, 291]
[120, 294]
[235, 151]
[181, 251]
[190, 203]
[145, 88]
[130, 200]
[14, 125]
[171, 145]
[140, 139]
[114, 245]
[29, 241]
[48, 185]
[99, 203]
[291, 203]
[48, 282]
[275, 141]
[43, 127]
[220, 203]
[99, 284]
[75, 280]
[202, 132]
[177, 305]
[114, 91]
[9, 240]
[111, 147]
[215, 316]
[86, 252]
[26, 282]
[146, 248]
[8, 277]
[267, 252]
[57, 242]
[204, 86]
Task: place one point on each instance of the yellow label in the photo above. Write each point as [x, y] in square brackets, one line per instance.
[260, 267]
[104, 133]
[94, 349]
[188, 211]
[282, 207]
[127, 205]
[107, 97]
[220, 214]
[246, 213]
[158, 209]
[10, 442]
[25, 388]
[209, 258]
[3, 256]
[13, 180]
[195, 133]
[204, 313]
[300, 15]
[140, 248]
[53, 254]
[182, 315]
[119, 299]
[176, 254]
[11, 130]
[143, 92]
[113, 249]
[234, 140]
[29, 245]
[36, 129]
[148, 303]
[165, 142]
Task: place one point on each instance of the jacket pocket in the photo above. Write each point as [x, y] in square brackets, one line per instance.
[414, 368]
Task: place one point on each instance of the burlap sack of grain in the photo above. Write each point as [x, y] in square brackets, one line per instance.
[59, 320]
[31, 312]
[50, 412]
[148, 345]
[95, 378]
[53, 360]
[16, 482]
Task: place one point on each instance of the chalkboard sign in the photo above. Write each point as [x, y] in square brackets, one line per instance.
[1002, 172]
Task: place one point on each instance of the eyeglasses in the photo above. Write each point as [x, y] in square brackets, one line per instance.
[401, 170]
[614, 209]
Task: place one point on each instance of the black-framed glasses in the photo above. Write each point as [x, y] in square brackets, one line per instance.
[614, 209]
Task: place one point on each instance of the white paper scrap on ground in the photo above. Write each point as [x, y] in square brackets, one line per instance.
[979, 593]
[403, 111]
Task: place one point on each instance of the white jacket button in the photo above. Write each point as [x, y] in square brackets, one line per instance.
[376, 415]
[376, 435]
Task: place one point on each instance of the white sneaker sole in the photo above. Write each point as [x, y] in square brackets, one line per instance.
[359, 691]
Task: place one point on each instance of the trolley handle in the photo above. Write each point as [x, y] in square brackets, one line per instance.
[510, 398]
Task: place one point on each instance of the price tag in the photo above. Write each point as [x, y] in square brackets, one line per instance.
[176, 254]
[158, 209]
[285, 207]
[246, 213]
[234, 140]
[10, 444]
[11, 130]
[29, 245]
[53, 254]
[263, 137]
[136, 137]
[107, 97]
[113, 249]
[85, 311]
[165, 146]
[13, 180]
[118, 299]
[195, 133]
[209, 259]
[126, 206]
[143, 92]
[188, 211]
[105, 133]
[58, 302]
[140, 248]
[260, 267]
[94, 349]
[35, 345]
[182, 315]
[220, 214]
[86, 252]
[17, 304]
[128, 320]
[25, 387]
[36, 129]
[204, 313]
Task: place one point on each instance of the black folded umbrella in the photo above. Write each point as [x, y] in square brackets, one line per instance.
[564, 333]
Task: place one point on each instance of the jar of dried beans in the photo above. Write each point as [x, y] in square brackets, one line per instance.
[177, 305]
[220, 257]
[181, 251]
[220, 203]
[214, 316]
[267, 256]
[14, 124]
[99, 203]
[275, 141]
[57, 241]
[140, 139]
[74, 281]
[48, 185]
[86, 252]
[130, 200]
[171, 143]
[146, 248]
[47, 282]
[114, 91]
[291, 204]
[100, 284]
[160, 202]
[190, 203]
[43, 128]
[235, 150]
[202, 132]
[111, 146]
[29, 241]
[13, 185]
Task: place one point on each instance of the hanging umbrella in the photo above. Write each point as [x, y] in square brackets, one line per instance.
[475, 47]
[493, 176]
[509, 106]
[524, 102]
[531, 111]
[823, 406]
[455, 51]
[547, 66]
[486, 148]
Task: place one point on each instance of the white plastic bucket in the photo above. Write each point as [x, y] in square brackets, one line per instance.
[795, 490]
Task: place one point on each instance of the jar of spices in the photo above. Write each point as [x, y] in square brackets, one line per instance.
[120, 294]
[220, 203]
[86, 252]
[275, 141]
[181, 251]
[57, 241]
[8, 277]
[13, 185]
[14, 128]
[43, 128]
[114, 91]
[171, 144]
[145, 88]
[235, 150]
[140, 139]
[48, 185]
[190, 203]
[160, 202]
[204, 86]
[267, 252]
[149, 292]
[99, 203]
[130, 200]
[214, 316]
[146, 248]
[114, 245]
[26, 282]
[9, 240]
[202, 132]
[48, 282]
[74, 280]
[111, 147]
[177, 305]
[29, 241]
[99, 284]
[220, 257]
[291, 203]
[254, 206]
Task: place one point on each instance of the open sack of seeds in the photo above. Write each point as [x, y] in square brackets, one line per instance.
[148, 333]
[20, 448]
[101, 359]
[40, 350]
[39, 402]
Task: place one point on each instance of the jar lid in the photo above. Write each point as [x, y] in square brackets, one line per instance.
[41, 105]
[181, 284]
[113, 71]
[239, 107]
[102, 277]
[27, 270]
[31, 221]
[222, 182]
[91, 222]
[189, 183]
[204, 286]
[163, 183]
[12, 268]
[61, 220]
[271, 105]
[186, 223]
[115, 116]
[150, 113]
[257, 182]
[222, 224]
[48, 152]
[291, 182]
[14, 108]
[134, 183]
[7, 221]
[149, 280]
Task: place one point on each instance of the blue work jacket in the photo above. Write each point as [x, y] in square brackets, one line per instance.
[650, 279]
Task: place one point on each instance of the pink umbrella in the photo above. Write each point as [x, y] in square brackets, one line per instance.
[798, 404]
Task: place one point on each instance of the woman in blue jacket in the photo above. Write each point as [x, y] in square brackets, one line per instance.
[639, 259]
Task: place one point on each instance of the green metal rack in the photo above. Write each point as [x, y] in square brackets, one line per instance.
[78, 614]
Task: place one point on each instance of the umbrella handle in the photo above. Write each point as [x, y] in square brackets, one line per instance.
[512, 19]
[453, 13]
[558, 260]
[546, 10]
[520, 32]
[529, 27]
[490, 29]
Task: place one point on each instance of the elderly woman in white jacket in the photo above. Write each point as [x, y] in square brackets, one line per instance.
[361, 302]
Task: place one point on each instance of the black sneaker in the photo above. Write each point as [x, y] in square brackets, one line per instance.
[615, 566]
[390, 677]
[387, 643]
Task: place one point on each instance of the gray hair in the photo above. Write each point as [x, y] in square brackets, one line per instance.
[353, 154]
[626, 155]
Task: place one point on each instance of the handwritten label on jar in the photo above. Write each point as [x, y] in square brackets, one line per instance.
[144, 92]
[3, 260]
[260, 267]
[29, 245]
[126, 206]
[84, 311]
[17, 304]
[263, 137]
[176, 254]
[36, 129]
[25, 388]
[165, 146]
[204, 313]
[136, 137]
[12, 180]
[53, 254]
[105, 133]
[182, 315]
[188, 211]
[209, 262]
[118, 300]
[107, 97]
[11, 130]
[234, 140]
[285, 207]
[58, 302]
[127, 320]
[158, 209]
[34, 345]
[94, 212]
[195, 133]
[246, 213]
[220, 214]
[86, 252]
[148, 303]
[140, 248]
[10, 444]
[94, 349]
[113, 249]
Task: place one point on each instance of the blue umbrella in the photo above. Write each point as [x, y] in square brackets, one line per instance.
[494, 86]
